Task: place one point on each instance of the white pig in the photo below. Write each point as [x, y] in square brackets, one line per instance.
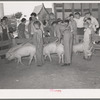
[59, 50]
[15, 48]
[26, 50]
[81, 48]
[53, 48]
[78, 48]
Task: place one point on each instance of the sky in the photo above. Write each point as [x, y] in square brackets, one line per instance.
[25, 8]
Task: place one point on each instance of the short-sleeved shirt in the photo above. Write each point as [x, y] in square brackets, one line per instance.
[79, 22]
[87, 33]
[33, 28]
[73, 26]
[94, 22]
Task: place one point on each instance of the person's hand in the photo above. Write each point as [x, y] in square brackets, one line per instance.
[58, 41]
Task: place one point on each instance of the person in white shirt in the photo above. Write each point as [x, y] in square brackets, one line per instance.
[87, 40]
[79, 21]
[91, 26]
[93, 19]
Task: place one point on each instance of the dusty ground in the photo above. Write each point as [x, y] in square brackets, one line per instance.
[80, 75]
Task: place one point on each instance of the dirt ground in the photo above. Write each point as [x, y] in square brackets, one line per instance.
[81, 74]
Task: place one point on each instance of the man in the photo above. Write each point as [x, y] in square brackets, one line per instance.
[73, 26]
[94, 21]
[80, 21]
[67, 41]
[57, 29]
[38, 42]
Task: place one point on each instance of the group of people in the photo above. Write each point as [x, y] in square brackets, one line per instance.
[66, 31]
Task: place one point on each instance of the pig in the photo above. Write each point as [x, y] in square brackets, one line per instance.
[52, 48]
[58, 48]
[81, 48]
[13, 49]
[78, 48]
[25, 50]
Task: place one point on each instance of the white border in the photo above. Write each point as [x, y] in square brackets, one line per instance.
[50, 1]
[47, 93]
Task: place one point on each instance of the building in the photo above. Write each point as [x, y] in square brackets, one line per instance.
[62, 10]
[1, 10]
[42, 12]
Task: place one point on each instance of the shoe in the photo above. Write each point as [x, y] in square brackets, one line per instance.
[39, 65]
[65, 64]
[68, 64]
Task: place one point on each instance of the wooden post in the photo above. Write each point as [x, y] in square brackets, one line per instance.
[55, 11]
[99, 12]
[63, 12]
[1, 10]
[82, 10]
[72, 8]
[90, 7]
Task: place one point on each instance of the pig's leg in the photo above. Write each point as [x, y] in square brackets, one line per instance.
[50, 57]
[59, 58]
[19, 60]
[45, 56]
[35, 58]
[31, 57]
[62, 56]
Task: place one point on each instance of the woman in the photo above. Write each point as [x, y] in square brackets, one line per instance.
[29, 26]
[21, 28]
[4, 34]
[4, 31]
[38, 42]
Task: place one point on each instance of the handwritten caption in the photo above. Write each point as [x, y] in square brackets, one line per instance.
[54, 90]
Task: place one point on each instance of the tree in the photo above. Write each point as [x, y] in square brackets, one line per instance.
[18, 15]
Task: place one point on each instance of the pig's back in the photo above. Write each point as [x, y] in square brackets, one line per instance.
[26, 50]
[50, 48]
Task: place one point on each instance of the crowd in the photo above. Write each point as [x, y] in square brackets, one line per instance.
[67, 32]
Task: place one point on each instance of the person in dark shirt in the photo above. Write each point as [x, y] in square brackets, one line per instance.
[21, 28]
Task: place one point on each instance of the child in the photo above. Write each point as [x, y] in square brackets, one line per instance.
[21, 28]
[87, 39]
[38, 41]
[11, 32]
[91, 26]
[67, 41]
[29, 27]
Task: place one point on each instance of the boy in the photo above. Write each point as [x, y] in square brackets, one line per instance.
[93, 28]
[87, 39]
[73, 25]
[38, 42]
[21, 28]
[67, 41]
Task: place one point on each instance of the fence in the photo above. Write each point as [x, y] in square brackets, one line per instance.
[5, 45]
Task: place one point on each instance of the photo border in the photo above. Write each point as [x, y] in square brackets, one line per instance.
[26, 94]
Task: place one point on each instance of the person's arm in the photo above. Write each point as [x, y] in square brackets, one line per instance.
[71, 27]
[8, 33]
[41, 27]
[58, 33]
[32, 28]
[96, 23]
